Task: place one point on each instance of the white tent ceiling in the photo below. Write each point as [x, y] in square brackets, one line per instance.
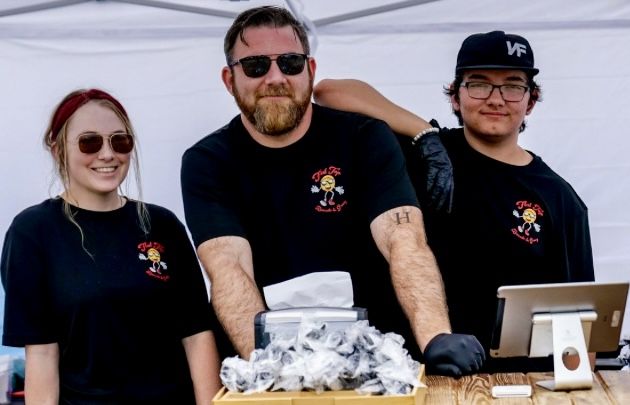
[164, 65]
[140, 17]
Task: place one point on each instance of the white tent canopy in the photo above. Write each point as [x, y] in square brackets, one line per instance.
[164, 65]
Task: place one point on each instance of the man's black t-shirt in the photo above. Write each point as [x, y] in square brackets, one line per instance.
[509, 225]
[306, 207]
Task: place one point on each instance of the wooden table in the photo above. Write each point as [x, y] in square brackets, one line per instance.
[609, 387]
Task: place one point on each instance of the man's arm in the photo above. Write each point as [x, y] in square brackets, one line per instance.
[235, 297]
[357, 96]
[436, 182]
[41, 384]
[399, 235]
[203, 362]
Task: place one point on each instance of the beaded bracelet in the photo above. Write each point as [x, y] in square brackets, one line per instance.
[424, 132]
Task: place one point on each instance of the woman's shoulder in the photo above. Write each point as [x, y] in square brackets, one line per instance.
[40, 212]
[39, 218]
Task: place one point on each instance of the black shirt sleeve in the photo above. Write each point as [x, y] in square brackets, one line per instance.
[27, 316]
[190, 289]
[205, 181]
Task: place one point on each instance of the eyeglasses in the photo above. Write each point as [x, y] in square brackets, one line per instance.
[257, 66]
[482, 90]
[92, 143]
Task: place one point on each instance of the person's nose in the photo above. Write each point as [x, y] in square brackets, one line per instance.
[275, 75]
[495, 97]
[106, 152]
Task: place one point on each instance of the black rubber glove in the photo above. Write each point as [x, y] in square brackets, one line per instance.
[437, 171]
[454, 355]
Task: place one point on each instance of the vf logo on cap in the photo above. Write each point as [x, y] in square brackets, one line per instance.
[488, 51]
[517, 47]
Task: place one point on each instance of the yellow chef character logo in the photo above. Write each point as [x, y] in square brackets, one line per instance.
[327, 185]
[154, 251]
[327, 182]
[529, 215]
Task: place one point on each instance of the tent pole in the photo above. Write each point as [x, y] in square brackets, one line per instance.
[180, 7]
[40, 7]
[369, 11]
[308, 24]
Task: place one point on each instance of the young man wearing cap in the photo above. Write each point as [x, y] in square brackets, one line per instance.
[495, 213]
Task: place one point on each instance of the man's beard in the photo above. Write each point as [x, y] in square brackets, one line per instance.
[274, 118]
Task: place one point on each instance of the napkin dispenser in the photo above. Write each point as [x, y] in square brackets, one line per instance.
[287, 321]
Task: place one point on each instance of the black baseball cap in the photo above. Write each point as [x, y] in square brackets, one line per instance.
[496, 50]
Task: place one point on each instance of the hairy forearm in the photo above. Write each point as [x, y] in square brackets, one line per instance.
[41, 384]
[414, 272]
[358, 96]
[203, 362]
[419, 288]
[235, 296]
[236, 301]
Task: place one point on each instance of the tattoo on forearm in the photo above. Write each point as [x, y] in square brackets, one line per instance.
[402, 217]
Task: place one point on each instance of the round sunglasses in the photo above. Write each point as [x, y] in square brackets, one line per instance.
[119, 143]
[257, 66]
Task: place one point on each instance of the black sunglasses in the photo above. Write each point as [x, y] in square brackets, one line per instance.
[92, 143]
[257, 66]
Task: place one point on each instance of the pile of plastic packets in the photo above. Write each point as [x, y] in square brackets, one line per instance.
[624, 355]
[319, 359]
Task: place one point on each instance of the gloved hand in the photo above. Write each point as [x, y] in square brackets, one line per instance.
[453, 354]
[437, 172]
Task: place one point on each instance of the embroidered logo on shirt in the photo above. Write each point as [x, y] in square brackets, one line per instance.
[157, 267]
[328, 190]
[527, 213]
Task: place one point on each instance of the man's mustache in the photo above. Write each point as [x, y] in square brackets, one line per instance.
[275, 91]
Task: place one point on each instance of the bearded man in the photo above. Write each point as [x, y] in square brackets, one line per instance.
[289, 188]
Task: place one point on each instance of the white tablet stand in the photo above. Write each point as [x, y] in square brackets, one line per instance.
[569, 333]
